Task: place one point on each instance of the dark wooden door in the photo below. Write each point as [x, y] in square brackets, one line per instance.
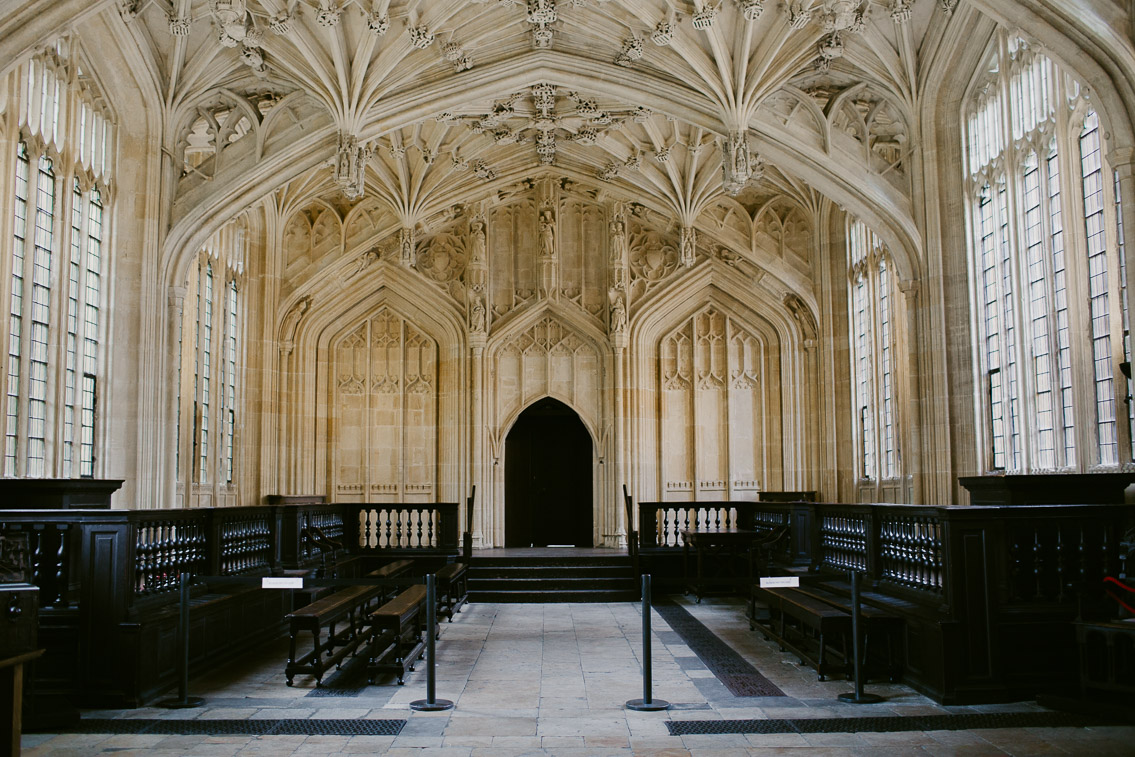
[548, 464]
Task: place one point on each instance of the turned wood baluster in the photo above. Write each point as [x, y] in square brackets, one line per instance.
[909, 529]
[61, 557]
[35, 539]
[1061, 563]
[145, 560]
[1038, 564]
[924, 553]
[909, 547]
[141, 580]
[389, 530]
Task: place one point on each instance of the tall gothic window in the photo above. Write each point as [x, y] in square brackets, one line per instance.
[60, 179]
[871, 305]
[1046, 264]
[209, 373]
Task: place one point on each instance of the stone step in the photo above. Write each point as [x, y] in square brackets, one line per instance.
[548, 572]
[539, 597]
[558, 583]
[552, 578]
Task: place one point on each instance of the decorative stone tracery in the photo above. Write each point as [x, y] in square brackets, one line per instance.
[384, 412]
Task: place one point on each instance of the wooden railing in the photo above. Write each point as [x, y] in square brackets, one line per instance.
[426, 528]
[245, 540]
[1041, 551]
[107, 576]
[168, 543]
[51, 543]
[987, 594]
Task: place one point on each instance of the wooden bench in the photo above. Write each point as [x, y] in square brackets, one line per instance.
[877, 624]
[812, 617]
[397, 630]
[390, 570]
[452, 589]
[350, 604]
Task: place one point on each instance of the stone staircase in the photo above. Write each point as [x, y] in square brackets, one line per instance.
[544, 578]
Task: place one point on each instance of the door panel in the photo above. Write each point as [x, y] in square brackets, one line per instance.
[548, 468]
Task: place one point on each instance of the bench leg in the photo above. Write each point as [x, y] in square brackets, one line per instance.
[291, 655]
[317, 657]
[821, 664]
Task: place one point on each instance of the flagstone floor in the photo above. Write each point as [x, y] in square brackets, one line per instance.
[553, 679]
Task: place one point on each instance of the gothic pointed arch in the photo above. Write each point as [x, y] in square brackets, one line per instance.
[719, 407]
[377, 357]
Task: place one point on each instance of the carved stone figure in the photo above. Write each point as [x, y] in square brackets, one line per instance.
[618, 241]
[477, 315]
[406, 239]
[688, 243]
[477, 243]
[547, 236]
[618, 313]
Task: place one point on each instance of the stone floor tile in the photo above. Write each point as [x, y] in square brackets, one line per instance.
[834, 739]
[984, 749]
[367, 744]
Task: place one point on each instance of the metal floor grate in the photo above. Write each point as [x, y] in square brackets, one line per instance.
[889, 724]
[259, 727]
[733, 670]
[348, 681]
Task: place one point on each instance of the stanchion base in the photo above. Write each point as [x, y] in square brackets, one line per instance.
[644, 706]
[424, 705]
[863, 698]
[182, 704]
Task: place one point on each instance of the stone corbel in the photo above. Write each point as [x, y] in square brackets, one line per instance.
[290, 324]
[1122, 161]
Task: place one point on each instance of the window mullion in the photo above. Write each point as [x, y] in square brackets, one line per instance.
[63, 394]
[1022, 308]
[1011, 363]
[1116, 308]
[1087, 438]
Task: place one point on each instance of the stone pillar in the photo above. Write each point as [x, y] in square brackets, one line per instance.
[911, 450]
[175, 301]
[287, 404]
[620, 441]
[476, 412]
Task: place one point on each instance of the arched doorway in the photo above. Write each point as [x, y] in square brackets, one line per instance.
[548, 464]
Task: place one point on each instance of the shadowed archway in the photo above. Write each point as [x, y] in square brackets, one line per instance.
[548, 478]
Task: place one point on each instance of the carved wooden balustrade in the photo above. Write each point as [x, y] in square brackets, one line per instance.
[245, 538]
[51, 543]
[988, 594]
[426, 528]
[661, 523]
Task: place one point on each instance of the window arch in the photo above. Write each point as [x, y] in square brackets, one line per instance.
[873, 331]
[211, 347]
[1049, 311]
[60, 159]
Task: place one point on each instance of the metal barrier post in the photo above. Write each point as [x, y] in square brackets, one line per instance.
[431, 703]
[857, 696]
[647, 703]
[183, 700]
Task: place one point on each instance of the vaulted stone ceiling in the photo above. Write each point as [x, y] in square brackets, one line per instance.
[429, 103]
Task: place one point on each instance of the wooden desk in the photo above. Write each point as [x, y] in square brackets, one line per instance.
[12, 700]
[731, 542]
